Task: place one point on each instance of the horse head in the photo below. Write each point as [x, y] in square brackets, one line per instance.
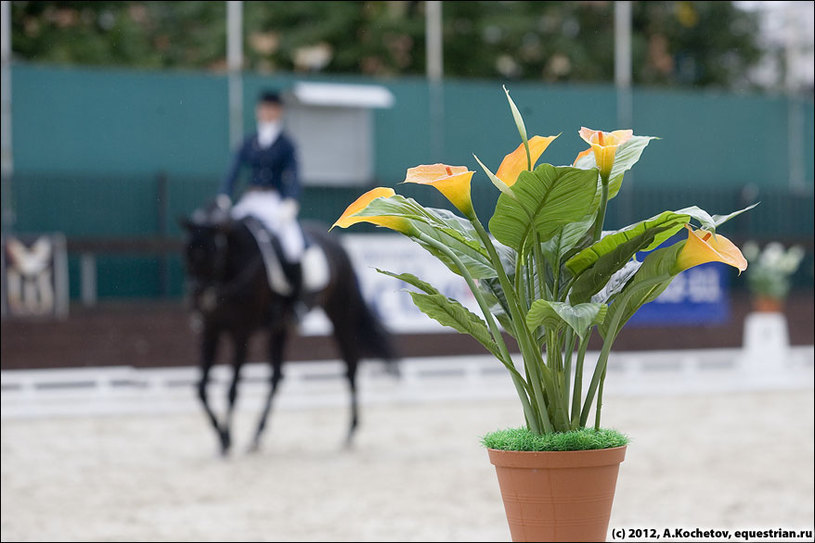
[206, 251]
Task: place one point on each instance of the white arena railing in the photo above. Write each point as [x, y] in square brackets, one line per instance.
[125, 390]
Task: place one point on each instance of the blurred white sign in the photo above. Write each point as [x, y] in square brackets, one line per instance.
[34, 276]
[386, 295]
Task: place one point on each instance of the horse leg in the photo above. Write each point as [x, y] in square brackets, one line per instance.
[351, 374]
[241, 346]
[209, 349]
[277, 345]
[349, 349]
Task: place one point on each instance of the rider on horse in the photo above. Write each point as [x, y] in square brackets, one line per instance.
[274, 187]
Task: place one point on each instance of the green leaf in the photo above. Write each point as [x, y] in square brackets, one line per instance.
[711, 222]
[448, 222]
[616, 283]
[496, 301]
[442, 225]
[565, 239]
[594, 279]
[458, 227]
[505, 322]
[500, 185]
[516, 115]
[478, 265]
[662, 226]
[627, 155]
[449, 312]
[546, 199]
[554, 315]
[396, 206]
[700, 215]
[721, 219]
[493, 294]
[411, 280]
[649, 281]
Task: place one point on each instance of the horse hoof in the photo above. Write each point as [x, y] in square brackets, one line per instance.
[253, 448]
[392, 369]
[226, 442]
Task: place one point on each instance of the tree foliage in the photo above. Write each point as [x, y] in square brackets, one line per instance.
[674, 43]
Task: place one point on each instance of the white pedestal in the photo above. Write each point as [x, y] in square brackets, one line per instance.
[766, 343]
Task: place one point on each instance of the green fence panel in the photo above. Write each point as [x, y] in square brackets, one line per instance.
[86, 205]
[87, 121]
[125, 153]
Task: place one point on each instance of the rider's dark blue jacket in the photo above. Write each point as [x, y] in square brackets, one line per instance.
[274, 167]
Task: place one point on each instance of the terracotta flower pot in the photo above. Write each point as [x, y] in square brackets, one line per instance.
[559, 495]
[766, 304]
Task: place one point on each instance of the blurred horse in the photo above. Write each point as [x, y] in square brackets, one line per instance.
[231, 294]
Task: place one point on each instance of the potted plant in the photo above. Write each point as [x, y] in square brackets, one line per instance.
[549, 276]
[771, 269]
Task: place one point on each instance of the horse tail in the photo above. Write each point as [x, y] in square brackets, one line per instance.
[375, 340]
[370, 334]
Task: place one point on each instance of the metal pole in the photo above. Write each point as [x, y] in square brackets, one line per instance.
[162, 208]
[5, 53]
[234, 61]
[625, 102]
[87, 274]
[622, 63]
[435, 46]
[435, 75]
[795, 113]
[6, 155]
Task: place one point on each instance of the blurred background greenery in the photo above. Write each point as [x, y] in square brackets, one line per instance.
[699, 44]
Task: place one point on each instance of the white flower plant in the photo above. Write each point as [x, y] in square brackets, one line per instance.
[771, 268]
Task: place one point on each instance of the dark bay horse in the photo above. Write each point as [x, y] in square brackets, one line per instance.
[230, 292]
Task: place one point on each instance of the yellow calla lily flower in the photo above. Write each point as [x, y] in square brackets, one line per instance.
[515, 162]
[452, 181]
[702, 246]
[604, 145]
[349, 216]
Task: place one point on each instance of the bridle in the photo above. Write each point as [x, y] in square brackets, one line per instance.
[208, 293]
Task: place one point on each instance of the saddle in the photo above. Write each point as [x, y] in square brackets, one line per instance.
[313, 264]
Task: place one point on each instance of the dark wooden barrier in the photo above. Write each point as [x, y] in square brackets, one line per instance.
[151, 334]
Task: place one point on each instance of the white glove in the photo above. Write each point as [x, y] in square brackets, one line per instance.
[223, 201]
[288, 210]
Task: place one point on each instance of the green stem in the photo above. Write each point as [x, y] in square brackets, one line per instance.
[567, 366]
[553, 353]
[539, 268]
[520, 385]
[518, 277]
[528, 155]
[529, 349]
[599, 400]
[598, 372]
[552, 368]
[578, 382]
[566, 289]
[619, 308]
[601, 213]
[530, 285]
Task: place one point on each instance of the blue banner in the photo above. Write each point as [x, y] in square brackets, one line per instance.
[696, 296]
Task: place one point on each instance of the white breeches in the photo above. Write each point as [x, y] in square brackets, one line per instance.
[279, 216]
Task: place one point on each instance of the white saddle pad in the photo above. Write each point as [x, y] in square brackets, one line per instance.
[314, 264]
[316, 272]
